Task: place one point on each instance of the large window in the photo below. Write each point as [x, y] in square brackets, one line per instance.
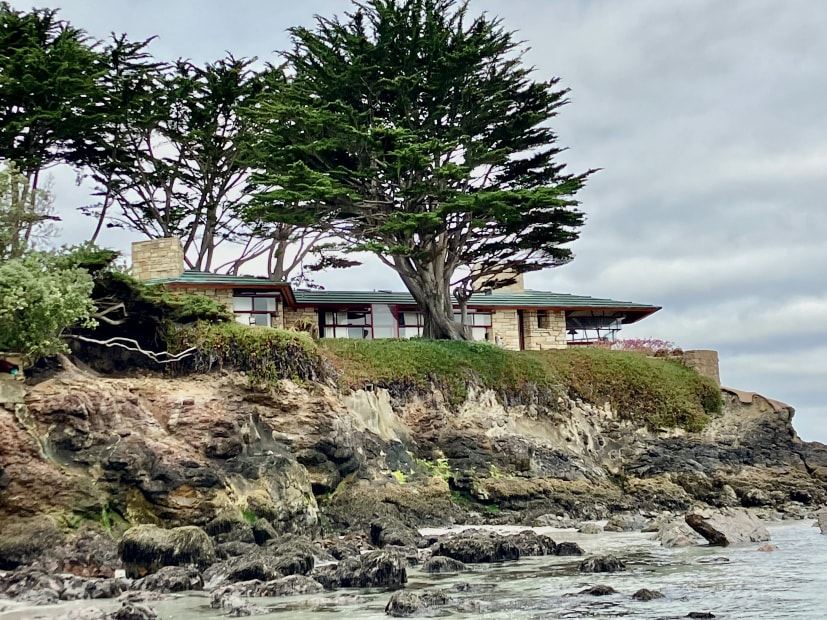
[411, 324]
[254, 308]
[352, 323]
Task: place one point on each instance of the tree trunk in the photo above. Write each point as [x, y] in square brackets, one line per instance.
[433, 297]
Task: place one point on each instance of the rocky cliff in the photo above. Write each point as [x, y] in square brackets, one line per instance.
[191, 450]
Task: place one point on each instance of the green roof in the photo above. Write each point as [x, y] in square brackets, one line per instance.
[494, 299]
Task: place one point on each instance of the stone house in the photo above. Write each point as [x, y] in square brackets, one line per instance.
[511, 316]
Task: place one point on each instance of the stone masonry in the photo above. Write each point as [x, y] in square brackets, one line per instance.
[551, 336]
[157, 259]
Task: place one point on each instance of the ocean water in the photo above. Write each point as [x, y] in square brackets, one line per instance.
[735, 583]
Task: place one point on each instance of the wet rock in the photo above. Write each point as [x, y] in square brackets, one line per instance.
[476, 546]
[33, 584]
[227, 528]
[294, 554]
[171, 579]
[767, 548]
[625, 523]
[234, 549]
[377, 569]
[821, 519]
[89, 552]
[530, 543]
[236, 607]
[646, 595]
[442, 564]
[700, 614]
[677, 533]
[727, 526]
[133, 612]
[258, 564]
[568, 548]
[26, 540]
[590, 528]
[599, 590]
[601, 564]
[390, 531]
[292, 585]
[263, 531]
[146, 548]
[344, 550]
[404, 603]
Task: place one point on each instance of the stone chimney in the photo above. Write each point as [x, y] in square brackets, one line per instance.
[157, 258]
[518, 284]
[704, 362]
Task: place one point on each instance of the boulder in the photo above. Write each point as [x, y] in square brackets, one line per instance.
[530, 543]
[171, 579]
[26, 540]
[284, 586]
[258, 564]
[294, 555]
[390, 531]
[404, 603]
[263, 531]
[568, 548]
[599, 590]
[146, 548]
[590, 528]
[646, 595]
[677, 533]
[476, 546]
[442, 564]
[377, 569]
[727, 526]
[822, 521]
[628, 522]
[601, 564]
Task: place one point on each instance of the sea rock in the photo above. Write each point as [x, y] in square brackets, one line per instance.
[389, 531]
[258, 564]
[476, 546]
[129, 611]
[568, 548]
[295, 555]
[438, 564]
[146, 548]
[285, 586]
[599, 590]
[646, 595]
[821, 519]
[26, 540]
[530, 543]
[171, 579]
[377, 569]
[677, 533]
[727, 526]
[404, 603]
[625, 523]
[263, 531]
[590, 528]
[601, 564]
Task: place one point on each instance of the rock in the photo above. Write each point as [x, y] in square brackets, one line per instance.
[236, 607]
[389, 531]
[344, 550]
[727, 526]
[146, 548]
[292, 585]
[133, 612]
[259, 564]
[263, 531]
[476, 546]
[590, 528]
[171, 579]
[377, 569]
[33, 584]
[767, 548]
[601, 564]
[568, 548]
[677, 533]
[530, 543]
[404, 603]
[625, 523]
[442, 564]
[821, 519]
[646, 595]
[89, 552]
[230, 528]
[234, 549]
[294, 555]
[700, 614]
[599, 590]
[26, 540]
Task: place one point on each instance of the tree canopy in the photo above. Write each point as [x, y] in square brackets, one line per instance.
[413, 130]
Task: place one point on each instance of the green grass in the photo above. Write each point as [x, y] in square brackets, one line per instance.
[656, 392]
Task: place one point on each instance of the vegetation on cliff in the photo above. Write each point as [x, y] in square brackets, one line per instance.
[656, 392]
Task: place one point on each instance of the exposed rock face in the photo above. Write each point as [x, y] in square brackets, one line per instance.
[476, 546]
[205, 450]
[377, 569]
[727, 526]
[822, 521]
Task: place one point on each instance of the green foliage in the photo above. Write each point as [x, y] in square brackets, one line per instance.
[25, 214]
[40, 297]
[249, 516]
[265, 354]
[399, 476]
[652, 391]
[414, 131]
[439, 468]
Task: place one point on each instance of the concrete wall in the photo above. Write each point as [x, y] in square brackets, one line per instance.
[157, 258]
[551, 337]
[704, 362]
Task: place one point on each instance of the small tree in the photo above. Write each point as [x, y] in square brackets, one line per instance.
[41, 295]
[415, 131]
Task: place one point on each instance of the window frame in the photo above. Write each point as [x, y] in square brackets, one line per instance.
[252, 295]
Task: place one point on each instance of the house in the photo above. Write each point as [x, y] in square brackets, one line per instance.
[513, 316]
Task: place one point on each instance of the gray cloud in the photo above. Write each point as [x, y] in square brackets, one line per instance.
[707, 120]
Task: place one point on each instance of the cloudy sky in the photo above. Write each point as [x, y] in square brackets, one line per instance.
[707, 119]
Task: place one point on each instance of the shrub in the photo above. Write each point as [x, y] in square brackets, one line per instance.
[40, 297]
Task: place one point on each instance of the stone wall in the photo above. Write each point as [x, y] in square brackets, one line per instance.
[221, 295]
[504, 325]
[291, 315]
[704, 362]
[157, 258]
[551, 337]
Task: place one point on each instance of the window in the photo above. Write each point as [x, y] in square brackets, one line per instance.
[411, 323]
[354, 323]
[543, 320]
[253, 308]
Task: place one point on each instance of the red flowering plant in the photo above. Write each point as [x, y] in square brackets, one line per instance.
[647, 346]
